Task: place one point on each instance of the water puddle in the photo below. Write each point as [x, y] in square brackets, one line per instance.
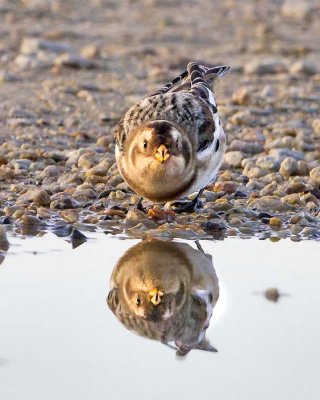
[230, 319]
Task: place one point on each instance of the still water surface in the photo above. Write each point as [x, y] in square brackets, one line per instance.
[59, 339]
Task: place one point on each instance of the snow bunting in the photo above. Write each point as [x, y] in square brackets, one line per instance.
[172, 143]
[165, 291]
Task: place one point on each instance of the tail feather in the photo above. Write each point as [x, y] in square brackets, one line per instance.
[183, 81]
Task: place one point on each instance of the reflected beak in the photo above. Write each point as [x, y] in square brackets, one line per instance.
[162, 153]
[155, 296]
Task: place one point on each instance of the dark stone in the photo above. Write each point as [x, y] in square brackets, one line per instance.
[265, 215]
[239, 194]
[315, 192]
[213, 226]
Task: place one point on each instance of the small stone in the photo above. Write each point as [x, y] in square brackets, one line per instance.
[90, 51]
[274, 221]
[51, 171]
[246, 146]
[225, 186]
[269, 189]
[302, 168]
[7, 77]
[4, 243]
[242, 118]
[296, 187]
[120, 195]
[297, 10]
[254, 172]
[104, 141]
[36, 195]
[288, 167]
[268, 91]
[74, 61]
[293, 199]
[316, 126]
[86, 161]
[303, 67]
[85, 194]
[266, 203]
[268, 163]
[71, 216]
[24, 61]
[31, 220]
[272, 294]
[63, 201]
[315, 175]
[22, 164]
[158, 214]
[90, 219]
[281, 142]
[233, 159]
[281, 154]
[33, 45]
[264, 67]
[241, 96]
[213, 226]
[135, 215]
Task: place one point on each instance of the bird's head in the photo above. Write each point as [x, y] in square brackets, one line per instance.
[154, 303]
[159, 161]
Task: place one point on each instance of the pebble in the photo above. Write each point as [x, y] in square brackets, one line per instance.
[281, 154]
[297, 10]
[51, 171]
[272, 294]
[4, 243]
[288, 167]
[36, 195]
[242, 118]
[274, 221]
[213, 226]
[31, 220]
[316, 126]
[225, 186]
[241, 96]
[266, 203]
[74, 61]
[246, 146]
[31, 45]
[62, 201]
[303, 67]
[264, 67]
[90, 51]
[293, 199]
[315, 176]
[135, 215]
[233, 159]
[268, 163]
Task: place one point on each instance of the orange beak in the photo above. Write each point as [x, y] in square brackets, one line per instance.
[162, 153]
[155, 296]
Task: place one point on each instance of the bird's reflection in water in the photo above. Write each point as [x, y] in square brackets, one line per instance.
[166, 291]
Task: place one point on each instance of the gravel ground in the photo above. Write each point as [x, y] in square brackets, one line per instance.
[69, 69]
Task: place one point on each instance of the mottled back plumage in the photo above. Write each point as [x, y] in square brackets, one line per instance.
[181, 101]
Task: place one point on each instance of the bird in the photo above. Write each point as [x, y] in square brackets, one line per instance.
[171, 143]
[165, 291]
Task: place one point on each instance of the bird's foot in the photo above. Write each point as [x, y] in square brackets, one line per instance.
[187, 206]
[140, 207]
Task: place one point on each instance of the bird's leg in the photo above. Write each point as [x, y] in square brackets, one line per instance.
[140, 207]
[199, 247]
[188, 206]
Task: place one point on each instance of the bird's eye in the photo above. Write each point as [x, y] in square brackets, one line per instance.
[145, 144]
[138, 301]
